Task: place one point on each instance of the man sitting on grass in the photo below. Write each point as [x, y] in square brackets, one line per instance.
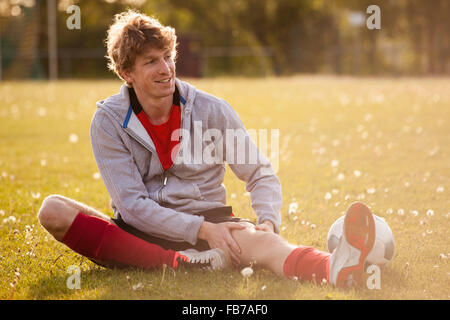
[169, 204]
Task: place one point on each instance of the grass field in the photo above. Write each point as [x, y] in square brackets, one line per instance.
[382, 141]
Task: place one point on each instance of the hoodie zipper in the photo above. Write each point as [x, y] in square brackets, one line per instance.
[164, 182]
[163, 176]
[163, 173]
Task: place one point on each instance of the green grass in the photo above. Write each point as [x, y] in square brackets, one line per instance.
[394, 131]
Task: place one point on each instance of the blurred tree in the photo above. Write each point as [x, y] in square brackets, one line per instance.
[245, 37]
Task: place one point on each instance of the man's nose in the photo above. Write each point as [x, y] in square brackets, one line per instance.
[164, 67]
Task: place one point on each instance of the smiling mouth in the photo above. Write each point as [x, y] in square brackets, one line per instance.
[164, 81]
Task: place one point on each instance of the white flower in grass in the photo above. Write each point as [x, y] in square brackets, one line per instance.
[138, 286]
[247, 272]
[2, 212]
[340, 177]
[96, 176]
[334, 163]
[43, 162]
[312, 226]
[264, 287]
[357, 173]
[400, 212]
[233, 196]
[42, 112]
[293, 206]
[327, 196]
[371, 190]
[430, 213]
[433, 151]
[73, 138]
[389, 211]
[4, 174]
[440, 189]
[10, 219]
[415, 213]
[36, 195]
[407, 184]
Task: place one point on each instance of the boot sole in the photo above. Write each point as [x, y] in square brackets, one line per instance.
[359, 232]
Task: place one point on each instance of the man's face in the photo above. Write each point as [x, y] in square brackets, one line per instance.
[153, 73]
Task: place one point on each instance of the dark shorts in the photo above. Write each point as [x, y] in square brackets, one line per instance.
[217, 215]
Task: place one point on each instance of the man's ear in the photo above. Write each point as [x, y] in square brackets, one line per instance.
[126, 75]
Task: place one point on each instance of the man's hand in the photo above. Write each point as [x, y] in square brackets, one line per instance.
[219, 236]
[267, 226]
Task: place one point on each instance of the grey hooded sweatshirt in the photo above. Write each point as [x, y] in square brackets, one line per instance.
[162, 203]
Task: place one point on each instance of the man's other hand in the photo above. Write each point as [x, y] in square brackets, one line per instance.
[218, 235]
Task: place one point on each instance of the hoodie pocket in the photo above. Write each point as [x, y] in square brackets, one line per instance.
[180, 192]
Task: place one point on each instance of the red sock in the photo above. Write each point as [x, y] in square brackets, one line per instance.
[304, 262]
[106, 243]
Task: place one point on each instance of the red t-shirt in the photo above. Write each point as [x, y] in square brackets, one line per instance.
[161, 135]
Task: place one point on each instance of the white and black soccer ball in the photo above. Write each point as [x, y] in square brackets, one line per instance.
[383, 249]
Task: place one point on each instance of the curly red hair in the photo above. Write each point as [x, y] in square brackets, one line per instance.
[132, 33]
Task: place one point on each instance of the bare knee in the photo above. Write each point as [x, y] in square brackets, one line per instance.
[266, 249]
[255, 244]
[55, 216]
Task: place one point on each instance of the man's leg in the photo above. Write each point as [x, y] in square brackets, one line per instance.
[57, 214]
[94, 235]
[271, 251]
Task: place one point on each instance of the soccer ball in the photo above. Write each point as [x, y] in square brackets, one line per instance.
[382, 252]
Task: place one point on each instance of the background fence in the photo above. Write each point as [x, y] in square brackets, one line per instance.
[240, 37]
